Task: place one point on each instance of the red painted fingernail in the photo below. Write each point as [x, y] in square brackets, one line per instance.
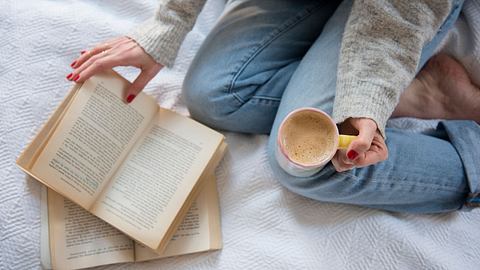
[130, 98]
[82, 52]
[73, 64]
[69, 76]
[352, 154]
[76, 77]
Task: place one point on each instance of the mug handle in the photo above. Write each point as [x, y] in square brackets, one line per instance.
[345, 140]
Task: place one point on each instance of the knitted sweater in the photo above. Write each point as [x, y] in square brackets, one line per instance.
[380, 50]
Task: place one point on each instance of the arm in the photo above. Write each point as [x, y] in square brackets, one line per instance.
[380, 51]
[162, 35]
[149, 47]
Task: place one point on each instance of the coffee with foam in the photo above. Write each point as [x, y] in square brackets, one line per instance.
[308, 138]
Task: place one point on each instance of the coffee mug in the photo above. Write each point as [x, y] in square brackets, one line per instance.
[307, 140]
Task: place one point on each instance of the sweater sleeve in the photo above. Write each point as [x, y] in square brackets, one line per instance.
[162, 35]
[380, 51]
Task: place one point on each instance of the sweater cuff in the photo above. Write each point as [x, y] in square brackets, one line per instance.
[364, 99]
[160, 41]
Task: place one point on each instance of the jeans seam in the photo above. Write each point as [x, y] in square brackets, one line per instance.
[266, 98]
[456, 5]
[412, 183]
[272, 36]
[404, 183]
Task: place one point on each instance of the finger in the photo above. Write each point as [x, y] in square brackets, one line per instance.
[106, 45]
[339, 163]
[140, 82]
[98, 66]
[362, 143]
[342, 155]
[84, 57]
[370, 158]
[378, 152]
[76, 72]
[339, 167]
[97, 50]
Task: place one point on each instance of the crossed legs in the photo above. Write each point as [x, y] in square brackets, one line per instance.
[267, 58]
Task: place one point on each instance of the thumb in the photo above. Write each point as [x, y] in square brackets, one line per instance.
[366, 131]
[137, 86]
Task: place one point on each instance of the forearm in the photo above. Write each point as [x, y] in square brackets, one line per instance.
[162, 35]
[379, 55]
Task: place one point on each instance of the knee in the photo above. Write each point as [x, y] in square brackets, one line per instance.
[204, 96]
[209, 100]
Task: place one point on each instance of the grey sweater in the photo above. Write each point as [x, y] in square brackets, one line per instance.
[380, 50]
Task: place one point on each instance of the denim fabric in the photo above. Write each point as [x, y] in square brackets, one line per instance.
[430, 47]
[243, 66]
[266, 58]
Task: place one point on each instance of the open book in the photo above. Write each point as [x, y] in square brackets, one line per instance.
[72, 238]
[136, 166]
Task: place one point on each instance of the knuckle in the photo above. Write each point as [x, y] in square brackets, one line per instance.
[93, 59]
[97, 56]
[359, 162]
[385, 155]
[344, 161]
[367, 123]
[99, 64]
[347, 162]
[362, 142]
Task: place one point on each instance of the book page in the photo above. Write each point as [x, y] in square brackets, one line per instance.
[28, 156]
[145, 196]
[78, 239]
[44, 234]
[199, 230]
[93, 138]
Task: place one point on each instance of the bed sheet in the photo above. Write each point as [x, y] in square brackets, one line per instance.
[264, 225]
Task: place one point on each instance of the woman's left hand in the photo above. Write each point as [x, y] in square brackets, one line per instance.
[368, 148]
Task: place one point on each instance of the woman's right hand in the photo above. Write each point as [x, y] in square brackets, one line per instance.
[121, 51]
[367, 149]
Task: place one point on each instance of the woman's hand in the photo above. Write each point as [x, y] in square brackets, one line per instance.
[121, 51]
[368, 148]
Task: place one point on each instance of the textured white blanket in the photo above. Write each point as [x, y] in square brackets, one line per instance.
[264, 225]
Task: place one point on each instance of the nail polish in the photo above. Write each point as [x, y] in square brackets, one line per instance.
[73, 64]
[352, 154]
[69, 76]
[82, 52]
[76, 78]
[130, 98]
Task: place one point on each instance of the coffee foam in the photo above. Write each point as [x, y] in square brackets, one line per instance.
[308, 137]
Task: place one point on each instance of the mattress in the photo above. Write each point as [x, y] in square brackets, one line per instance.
[264, 225]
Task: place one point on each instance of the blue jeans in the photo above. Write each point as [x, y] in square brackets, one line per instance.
[264, 59]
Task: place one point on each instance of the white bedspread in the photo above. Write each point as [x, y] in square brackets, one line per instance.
[264, 225]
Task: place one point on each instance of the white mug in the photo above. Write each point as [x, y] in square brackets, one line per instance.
[335, 141]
